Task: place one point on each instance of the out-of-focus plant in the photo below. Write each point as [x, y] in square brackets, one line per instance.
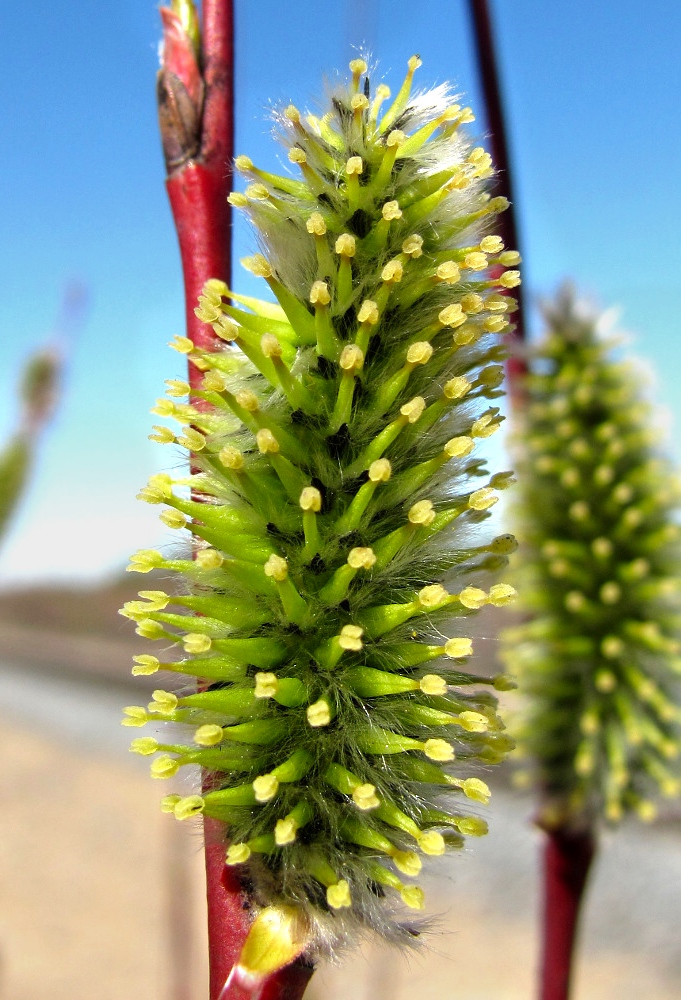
[37, 394]
[333, 509]
[597, 658]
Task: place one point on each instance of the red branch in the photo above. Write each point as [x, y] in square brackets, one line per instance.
[567, 860]
[198, 184]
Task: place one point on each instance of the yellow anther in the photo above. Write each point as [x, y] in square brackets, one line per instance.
[471, 826]
[448, 272]
[350, 638]
[473, 722]
[610, 592]
[432, 595]
[605, 681]
[457, 388]
[237, 854]
[231, 458]
[195, 642]
[318, 714]
[413, 409]
[134, 716]
[338, 895]
[192, 439]
[509, 258]
[357, 67]
[484, 426]
[144, 561]
[266, 442]
[257, 192]
[320, 294]
[243, 163]
[346, 245]
[501, 594]
[351, 358]
[157, 599]
[368, 313]
[189, 806]
[144, 745]
[358, 102]
[472, 598]
[380, 471]
[266, 685]
[612, 647]
[579, 510]
[491, 244]
[354, 166]
[431, 842]
[475, 261]
[215, 381]
[315, 225]
[472, 303]
[361, 557]
[392, 272]
[164, 702]
[623, 493]
[452, 315]
[458, 447]
[270, 346]
[413, 63]
[177, 387]
[477, 790]
[422, 513]
[164, 767]
[297, 155]
[433, 684]
[145, 665]
[276, 567]
[395, 138]
[408, 862]
[265, 787]
[391, 210]
[285, 831]
[149, 629]
[365, 797]
[570, 478]
[419, 353]
[237, 199]
[458, 647]
[509, 279]
[183, 345]
[209, 735]
[438, 750]
[248, 400]
[495, 324]
[168, 803]
[413, 897]
[163, 435]
[292, 113]
[500, 303]
[173, 519]
[310, 499]
[482, 499]
[413, 246]
[575, 601]
[226, 329]
[498, 204]
[257, 265]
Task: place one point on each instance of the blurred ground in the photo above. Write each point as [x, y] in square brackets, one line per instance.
[101, 895]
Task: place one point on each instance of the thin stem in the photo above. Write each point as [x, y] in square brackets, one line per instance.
[567, 860]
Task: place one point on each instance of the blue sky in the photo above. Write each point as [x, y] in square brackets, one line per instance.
[592, 99]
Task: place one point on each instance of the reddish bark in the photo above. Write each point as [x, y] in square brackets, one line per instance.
[567, 860]
[198, 183]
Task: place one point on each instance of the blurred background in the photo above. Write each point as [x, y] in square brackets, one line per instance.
[99, 894]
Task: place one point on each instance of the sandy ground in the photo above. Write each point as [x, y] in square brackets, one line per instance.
[101, 895]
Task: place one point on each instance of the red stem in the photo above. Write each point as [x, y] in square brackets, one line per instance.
[567, 860]
[198, 190]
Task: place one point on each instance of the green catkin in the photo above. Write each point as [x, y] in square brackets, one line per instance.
[598, 658]
[338, 530]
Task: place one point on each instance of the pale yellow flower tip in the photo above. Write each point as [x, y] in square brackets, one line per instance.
[434, 685]
[276, 567]
[209, 559]
[278, 935]
[266, 442]
[471, 826]
[413, 409]
[368, 313]
[482, 499]
[501, 594]
[285, 831]
[477, 790]
[473, 722]
[457, 388]
[351, 358]
[413, 897]
[338, 895]
[231, 458]
[164, 767]
[310, 499]
[354, 166]
[458, 647]
[318, 714]
[459, 447]
[209, 735]
[365, 797]
[194, 643]
[380, 471]
[190, 805]
[438, 750]
[431, 842]
[472, 598]
[315, 225]
[145, 745]
[391, 211]
[237, 854]
[266, 685]
[419, 353]
[350, 638]
[408, 862]
[361, 558]
[257, 265]
[432, 595]
[265, 787]
[346, 245]
[320, 294]
[421, 513]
